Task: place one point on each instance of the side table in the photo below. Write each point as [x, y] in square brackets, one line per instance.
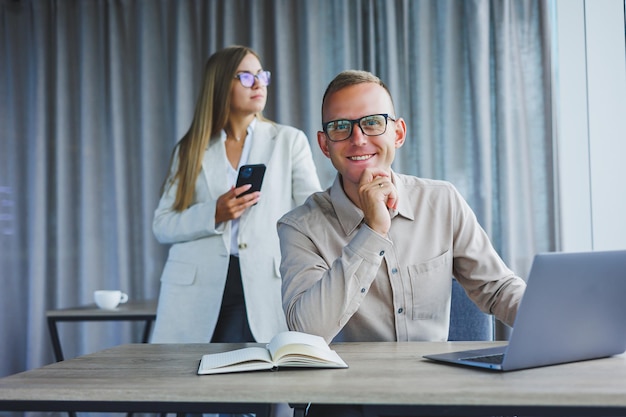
[130, 311]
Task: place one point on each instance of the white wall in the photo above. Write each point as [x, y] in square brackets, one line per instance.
[590, 91]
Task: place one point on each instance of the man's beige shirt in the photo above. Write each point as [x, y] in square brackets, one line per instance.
[345, 282]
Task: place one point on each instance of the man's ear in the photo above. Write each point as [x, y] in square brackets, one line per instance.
[323, 143]
[400, 132]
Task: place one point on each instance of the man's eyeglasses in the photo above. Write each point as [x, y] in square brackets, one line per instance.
[372, 125]
[247, 78]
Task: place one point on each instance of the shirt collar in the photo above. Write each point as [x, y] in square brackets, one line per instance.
[404, 206]
[350, 216]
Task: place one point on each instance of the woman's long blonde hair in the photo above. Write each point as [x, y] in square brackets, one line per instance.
[210, 117]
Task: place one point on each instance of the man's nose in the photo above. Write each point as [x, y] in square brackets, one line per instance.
[357, 136]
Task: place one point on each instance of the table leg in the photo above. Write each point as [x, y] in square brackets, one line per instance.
[299, 410]
[54, 336]
[146, 331]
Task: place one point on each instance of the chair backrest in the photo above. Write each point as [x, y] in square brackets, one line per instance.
[467, 322]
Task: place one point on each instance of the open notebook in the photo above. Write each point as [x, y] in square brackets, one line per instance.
[574, 308]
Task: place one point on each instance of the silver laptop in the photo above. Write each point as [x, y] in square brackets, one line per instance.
[574, 309]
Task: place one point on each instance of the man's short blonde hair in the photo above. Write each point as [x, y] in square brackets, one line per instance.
[349, 78]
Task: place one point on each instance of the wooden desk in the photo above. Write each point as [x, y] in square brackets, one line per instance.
[130, 311]
[390, 377]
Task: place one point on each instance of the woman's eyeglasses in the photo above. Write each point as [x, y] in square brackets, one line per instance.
[372, 125]
[247, 78]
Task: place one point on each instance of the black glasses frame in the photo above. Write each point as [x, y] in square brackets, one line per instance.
[357, 121]
[264, 78]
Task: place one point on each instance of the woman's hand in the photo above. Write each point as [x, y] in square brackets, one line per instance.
[230, 207]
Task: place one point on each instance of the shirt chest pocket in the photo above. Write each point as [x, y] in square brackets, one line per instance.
[431, 283]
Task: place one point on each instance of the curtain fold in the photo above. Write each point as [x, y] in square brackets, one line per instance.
[94, 95]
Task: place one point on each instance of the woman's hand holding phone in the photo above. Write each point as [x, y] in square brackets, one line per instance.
[230, 207]
[245, 194]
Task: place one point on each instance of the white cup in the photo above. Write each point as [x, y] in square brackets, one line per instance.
[109, 299]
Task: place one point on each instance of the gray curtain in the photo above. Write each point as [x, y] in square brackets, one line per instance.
[94, 95]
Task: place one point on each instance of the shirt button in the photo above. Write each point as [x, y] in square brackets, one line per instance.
[363, 290]
[400, 310]
[382, 252]
[243, 245]
[394, 271]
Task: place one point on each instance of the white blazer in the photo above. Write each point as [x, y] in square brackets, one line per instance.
[194, 276]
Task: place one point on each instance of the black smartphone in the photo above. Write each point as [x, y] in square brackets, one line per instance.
[251, 174]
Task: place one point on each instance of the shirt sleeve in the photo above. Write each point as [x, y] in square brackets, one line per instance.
[480, 270]
[320, 295]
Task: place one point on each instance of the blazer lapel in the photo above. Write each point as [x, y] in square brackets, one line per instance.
[263, 144]
[260, 153]
[214, 168]
[215, 162]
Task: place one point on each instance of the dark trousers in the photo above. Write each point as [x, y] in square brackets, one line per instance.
[232, 323]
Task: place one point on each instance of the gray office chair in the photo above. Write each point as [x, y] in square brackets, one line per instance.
[467, 322]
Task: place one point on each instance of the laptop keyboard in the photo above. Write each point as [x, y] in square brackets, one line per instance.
[495, 359]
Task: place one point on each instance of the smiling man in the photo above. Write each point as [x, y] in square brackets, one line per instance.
[372, 257]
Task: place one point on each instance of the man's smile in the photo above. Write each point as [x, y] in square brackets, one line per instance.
[360, 157]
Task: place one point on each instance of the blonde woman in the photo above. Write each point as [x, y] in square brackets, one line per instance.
[221, 281]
